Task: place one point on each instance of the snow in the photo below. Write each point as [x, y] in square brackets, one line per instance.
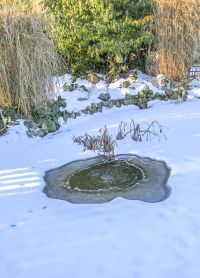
[41, 237]
[115, 90]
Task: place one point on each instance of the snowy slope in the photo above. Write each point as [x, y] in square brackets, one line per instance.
[46, 238]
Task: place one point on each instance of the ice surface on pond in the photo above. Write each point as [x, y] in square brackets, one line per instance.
[97, 180]
[109, 175]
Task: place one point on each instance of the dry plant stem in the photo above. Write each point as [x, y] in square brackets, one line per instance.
[104, 143]
[177, 36]
[135, 131]
[153, 129]
[121, 131]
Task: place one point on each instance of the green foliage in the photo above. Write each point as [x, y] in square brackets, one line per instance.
[100, 34]
[8, 115]
[70, 87]
[45, 118]
[73, 86]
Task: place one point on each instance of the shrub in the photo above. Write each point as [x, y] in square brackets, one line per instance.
[100, 34]
[28, 58]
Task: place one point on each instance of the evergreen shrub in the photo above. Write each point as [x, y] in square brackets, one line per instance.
[99, 35]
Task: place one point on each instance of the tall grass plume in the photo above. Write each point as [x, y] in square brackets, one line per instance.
[177, 37]
[28, 59]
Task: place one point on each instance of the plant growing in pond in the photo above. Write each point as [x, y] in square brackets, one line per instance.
[137, 131]
[103, 143]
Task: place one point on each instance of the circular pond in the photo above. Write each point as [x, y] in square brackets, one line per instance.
[98, 180]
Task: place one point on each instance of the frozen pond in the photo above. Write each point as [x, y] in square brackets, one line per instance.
[99, 180]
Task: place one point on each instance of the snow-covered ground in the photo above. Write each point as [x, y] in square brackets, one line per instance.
[47, 238]
[115, 90]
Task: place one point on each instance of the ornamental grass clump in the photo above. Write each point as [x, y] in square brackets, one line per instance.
[177, 36]
[28, 59]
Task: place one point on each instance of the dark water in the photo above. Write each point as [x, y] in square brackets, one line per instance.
[111, 175]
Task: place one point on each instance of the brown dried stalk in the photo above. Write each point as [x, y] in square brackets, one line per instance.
[121, 131]
[104, 143]
[137, 133]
